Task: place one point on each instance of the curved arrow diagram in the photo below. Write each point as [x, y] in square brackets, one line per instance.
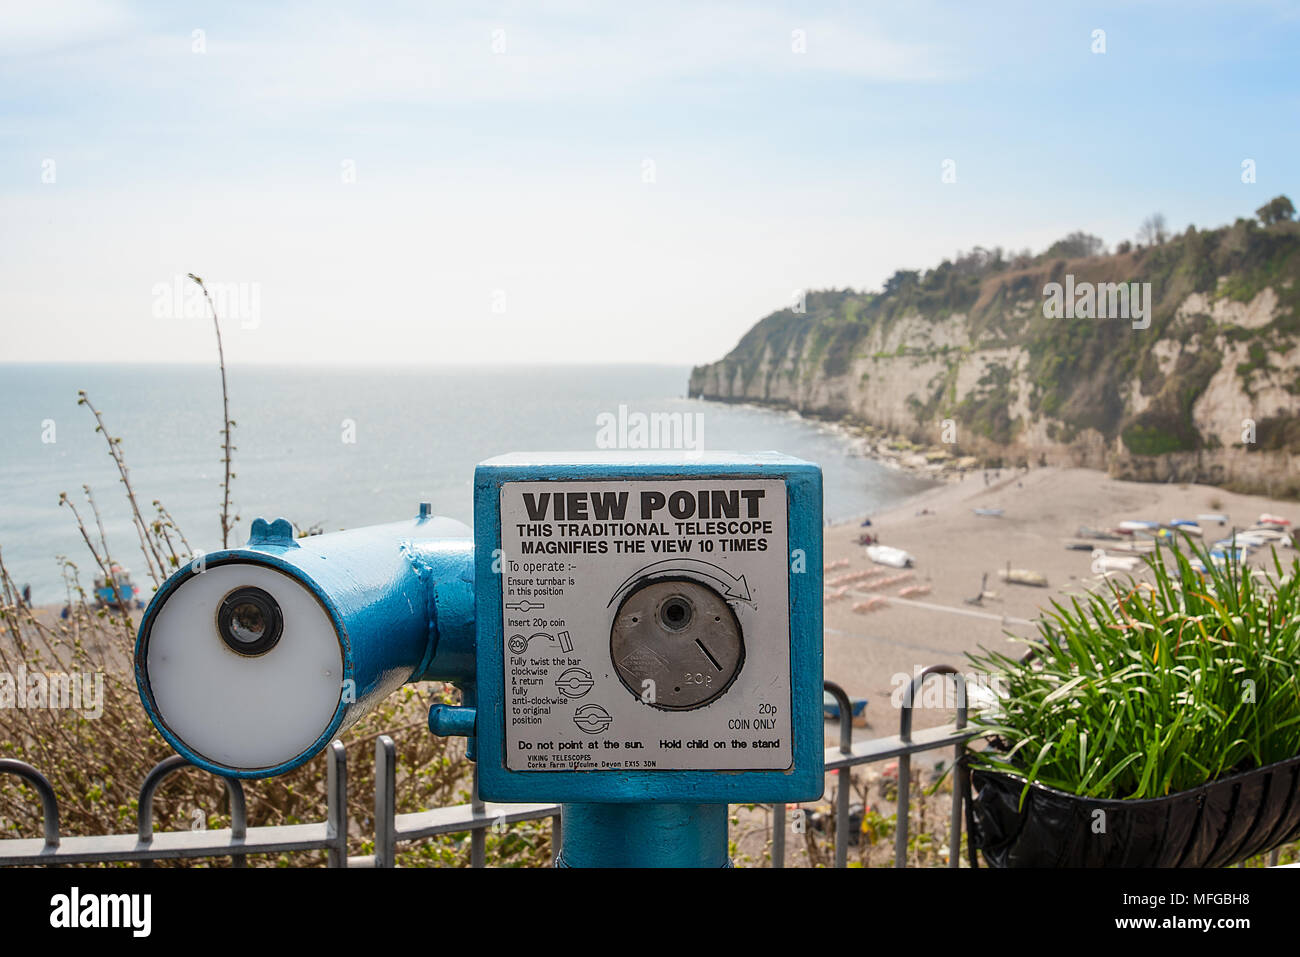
[592, 718]
[731, 588]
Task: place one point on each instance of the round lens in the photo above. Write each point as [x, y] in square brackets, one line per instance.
[675, 613]
[249, 621]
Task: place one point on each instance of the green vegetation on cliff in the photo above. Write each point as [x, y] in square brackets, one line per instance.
[1083, 372]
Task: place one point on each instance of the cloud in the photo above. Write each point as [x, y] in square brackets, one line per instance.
[589, 54]
[319, 56]
[33, 28]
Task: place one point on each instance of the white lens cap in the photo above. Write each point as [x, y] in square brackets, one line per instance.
[243, 711]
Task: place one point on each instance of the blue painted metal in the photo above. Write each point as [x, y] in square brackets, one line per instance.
[420, 601]
[279, 532]
[644, 835]
[447, 720]
[400, 597]
[803, 781]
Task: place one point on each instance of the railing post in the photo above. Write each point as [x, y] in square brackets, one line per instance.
[238, 818]
[49, 803]
[905, 761]
[336, 805]
[163, 770]
[959, 777]
[844, 776]
[478, 836]
[144, 806]
[778, 835]
[385, 801]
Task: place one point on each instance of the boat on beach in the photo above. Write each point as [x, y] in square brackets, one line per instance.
[1136, 525]
[1101, 535]
[1023, 576]
[1103, 563]
[117, 591]
[831, 706]
[887, 555]
[1257, 538]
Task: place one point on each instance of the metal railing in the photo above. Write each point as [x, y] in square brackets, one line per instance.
[391, 828]
[848, 755]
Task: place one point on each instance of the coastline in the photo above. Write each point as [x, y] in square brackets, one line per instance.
[895, 451]
[932, 463]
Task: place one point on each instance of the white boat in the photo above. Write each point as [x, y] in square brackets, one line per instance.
[1141, 548]
[1102, 563]
[886, 555]
[1258, 538]
[1023, 576]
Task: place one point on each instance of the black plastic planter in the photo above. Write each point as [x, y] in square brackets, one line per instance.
[1213, 825]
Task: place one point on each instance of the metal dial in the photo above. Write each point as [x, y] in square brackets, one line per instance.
[676, 644]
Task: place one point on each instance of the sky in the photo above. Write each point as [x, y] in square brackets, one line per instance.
[586, 183]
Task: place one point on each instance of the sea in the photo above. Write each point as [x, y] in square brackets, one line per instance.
[339, 447]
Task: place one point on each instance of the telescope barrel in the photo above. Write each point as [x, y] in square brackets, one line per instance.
[251, 660]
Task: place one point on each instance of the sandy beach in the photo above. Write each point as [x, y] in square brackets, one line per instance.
[954, 547]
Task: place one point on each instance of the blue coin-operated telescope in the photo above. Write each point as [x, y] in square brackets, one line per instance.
[636, 635]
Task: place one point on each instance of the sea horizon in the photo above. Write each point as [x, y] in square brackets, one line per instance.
[339, 446]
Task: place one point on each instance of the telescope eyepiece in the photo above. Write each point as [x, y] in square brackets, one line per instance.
[676, 613]
[249, 621]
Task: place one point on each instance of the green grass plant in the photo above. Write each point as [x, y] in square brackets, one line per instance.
[1145, 688]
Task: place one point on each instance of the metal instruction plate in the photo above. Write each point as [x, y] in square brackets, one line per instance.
[647, 625]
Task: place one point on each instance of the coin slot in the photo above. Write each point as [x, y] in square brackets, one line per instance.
[709, 655]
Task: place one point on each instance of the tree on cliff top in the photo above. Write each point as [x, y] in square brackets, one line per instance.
[1276, 210]
[1153, 231]
[1077, 245]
